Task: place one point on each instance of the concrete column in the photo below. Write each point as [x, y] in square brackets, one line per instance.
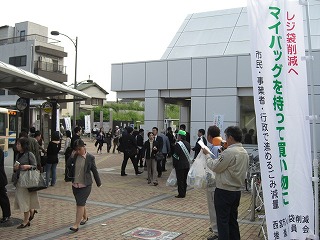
[185, 117]
[101, 119]
[154, 110]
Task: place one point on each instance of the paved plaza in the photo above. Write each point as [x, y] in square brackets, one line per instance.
[122, 204]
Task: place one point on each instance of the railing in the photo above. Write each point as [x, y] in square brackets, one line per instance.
[50, 67]
[23, 39]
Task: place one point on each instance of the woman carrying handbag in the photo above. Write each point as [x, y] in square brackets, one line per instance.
[25, 201]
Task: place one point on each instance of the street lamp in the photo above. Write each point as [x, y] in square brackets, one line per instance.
[56, 33]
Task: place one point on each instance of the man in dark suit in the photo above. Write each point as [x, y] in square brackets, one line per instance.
[180, 161]
[197, 148]
[183, 127]
[140, 143]
[158, 139]
[4, 200]
[130, 151]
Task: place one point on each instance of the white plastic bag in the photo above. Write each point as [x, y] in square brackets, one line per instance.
[199, 175]
[172, 179]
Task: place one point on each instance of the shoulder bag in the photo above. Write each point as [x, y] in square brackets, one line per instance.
[159, 156]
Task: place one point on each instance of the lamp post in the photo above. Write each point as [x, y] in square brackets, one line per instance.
[75, 43]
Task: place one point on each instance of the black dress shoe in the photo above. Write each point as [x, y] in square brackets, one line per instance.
[83, 222]
[178, 196]
[23, 226]
[138, 173]
[124, 174]
[5, 219]
[213, 237]
[74, 229]
[32, 216]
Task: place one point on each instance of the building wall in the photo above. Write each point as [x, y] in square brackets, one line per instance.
[214, 85]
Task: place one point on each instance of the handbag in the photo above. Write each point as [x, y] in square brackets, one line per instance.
[29, 178]
[41, 184]
[159, 156]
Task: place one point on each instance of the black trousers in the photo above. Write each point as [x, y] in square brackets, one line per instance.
[163, 164]
[226, 204]
[159, 168]
[182, 181]
[4, 202]
[125, 161]
[140, 156]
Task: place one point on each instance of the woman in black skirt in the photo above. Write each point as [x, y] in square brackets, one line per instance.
[79, 168]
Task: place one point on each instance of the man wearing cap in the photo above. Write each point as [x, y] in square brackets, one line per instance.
[181, 164]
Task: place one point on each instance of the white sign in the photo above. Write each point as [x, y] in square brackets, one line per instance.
[87, 128]
[58, 121]
[67, 122]
[218, 121]
[281, 104]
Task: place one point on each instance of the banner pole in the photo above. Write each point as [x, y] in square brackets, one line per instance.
[315, 179]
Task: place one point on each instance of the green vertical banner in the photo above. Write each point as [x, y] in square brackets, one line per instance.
[281, 104]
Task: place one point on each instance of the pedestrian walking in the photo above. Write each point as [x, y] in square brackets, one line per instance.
[116, 137]
[100, 139]
[108, 138]
[25, 201]
[130, 151]
[80, 165]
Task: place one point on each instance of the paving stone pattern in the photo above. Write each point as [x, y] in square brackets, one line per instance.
[122, 204]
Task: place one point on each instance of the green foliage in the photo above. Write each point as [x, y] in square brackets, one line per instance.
[172, 111]
[133, 111]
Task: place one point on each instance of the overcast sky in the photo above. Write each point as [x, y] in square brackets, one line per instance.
[111, 31]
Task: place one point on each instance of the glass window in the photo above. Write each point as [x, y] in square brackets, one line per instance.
[2, 124]
[18, 61]
[2, 92]
[22, 35]
[248, 120]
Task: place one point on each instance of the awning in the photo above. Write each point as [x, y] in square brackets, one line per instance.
[29, 85]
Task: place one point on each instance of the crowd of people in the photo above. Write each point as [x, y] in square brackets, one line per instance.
[228, 160]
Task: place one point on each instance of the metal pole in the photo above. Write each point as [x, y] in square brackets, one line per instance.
[75, 85]
[253, 198]
[315, 177]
